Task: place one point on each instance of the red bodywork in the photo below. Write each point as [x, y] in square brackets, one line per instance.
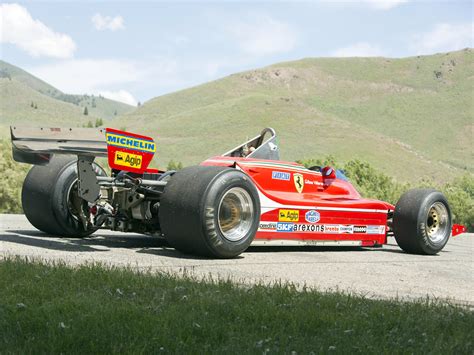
[304, 206]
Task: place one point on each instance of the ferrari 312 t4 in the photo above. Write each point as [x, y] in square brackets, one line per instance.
[218, 208]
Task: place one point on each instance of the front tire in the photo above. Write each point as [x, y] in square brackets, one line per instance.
[422, 221]
[47, 195]
[210, 211]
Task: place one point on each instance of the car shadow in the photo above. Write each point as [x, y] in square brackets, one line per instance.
[45, 243]
[150, 245]
[88, 244]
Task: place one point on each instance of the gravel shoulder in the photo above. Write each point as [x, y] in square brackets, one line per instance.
[379, 273]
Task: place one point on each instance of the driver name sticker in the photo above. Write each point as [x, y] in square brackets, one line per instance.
[128, 159]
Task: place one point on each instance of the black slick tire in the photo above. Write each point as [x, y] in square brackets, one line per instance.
[45, 196]
[190, 212]
[415, 218]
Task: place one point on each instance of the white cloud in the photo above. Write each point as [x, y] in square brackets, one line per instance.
[360, 49]
[443, 38]
[263, 35]
[88, 75]
[121, 95]
[34, 37]
[107, 22]
[384, 4]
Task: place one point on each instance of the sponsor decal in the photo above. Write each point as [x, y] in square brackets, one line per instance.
[284, 227]
[346, 229]
[375, 229]
[129, 142]
[332, 228]
[312, 216]
[312, 228]
[128, 159]
[288, 215]
[299, 182]
[128, 151]
[360, 229]
[268, 225]
[280, 175]
[312, 182]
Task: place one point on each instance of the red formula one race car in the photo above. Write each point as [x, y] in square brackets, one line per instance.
[218, 208]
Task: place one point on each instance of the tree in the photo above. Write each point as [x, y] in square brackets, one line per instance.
[89, 124]
[115, 113]
[139, 104]
[36, 106]
[32, 104]
[99, 122]
[172, 165]
[86, 112]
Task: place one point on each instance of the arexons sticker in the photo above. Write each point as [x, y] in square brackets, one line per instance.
[312, 216]
[280, 175]
[313, 228]
[288, 215]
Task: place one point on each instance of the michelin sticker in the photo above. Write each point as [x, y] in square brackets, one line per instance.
[312, 216]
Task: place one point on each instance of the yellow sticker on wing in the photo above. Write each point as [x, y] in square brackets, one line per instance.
[128, 159]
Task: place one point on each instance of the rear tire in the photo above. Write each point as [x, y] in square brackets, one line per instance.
[210, 211]
[422, 221]
[45, 197]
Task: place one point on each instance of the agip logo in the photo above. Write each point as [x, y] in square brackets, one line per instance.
[128, 159]
[288, 215]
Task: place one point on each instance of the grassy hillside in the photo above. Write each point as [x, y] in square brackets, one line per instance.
[16, 107]
[97, 106]
[410, 117]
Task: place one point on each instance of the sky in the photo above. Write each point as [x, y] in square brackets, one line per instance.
[132, 51]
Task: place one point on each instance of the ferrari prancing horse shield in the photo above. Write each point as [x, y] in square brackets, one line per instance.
[299, 182]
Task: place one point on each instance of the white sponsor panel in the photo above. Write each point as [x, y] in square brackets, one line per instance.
[267, 226]
[332, 228]
[375, 229]
[346, 229]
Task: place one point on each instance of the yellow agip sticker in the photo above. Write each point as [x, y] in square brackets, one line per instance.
[288, 215]
[128, 159]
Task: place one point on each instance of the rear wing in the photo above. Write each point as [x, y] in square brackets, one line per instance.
[38, 145]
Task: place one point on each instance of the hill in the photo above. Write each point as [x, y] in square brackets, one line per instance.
[410, 117]
[97, 106]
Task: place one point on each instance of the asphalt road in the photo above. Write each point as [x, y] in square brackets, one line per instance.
[379, 273]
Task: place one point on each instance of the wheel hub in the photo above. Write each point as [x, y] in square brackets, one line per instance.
[235, 214]
[437, 222]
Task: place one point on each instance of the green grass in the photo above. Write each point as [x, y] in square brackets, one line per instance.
[93, 309]
[393, 113]
[19, 88]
